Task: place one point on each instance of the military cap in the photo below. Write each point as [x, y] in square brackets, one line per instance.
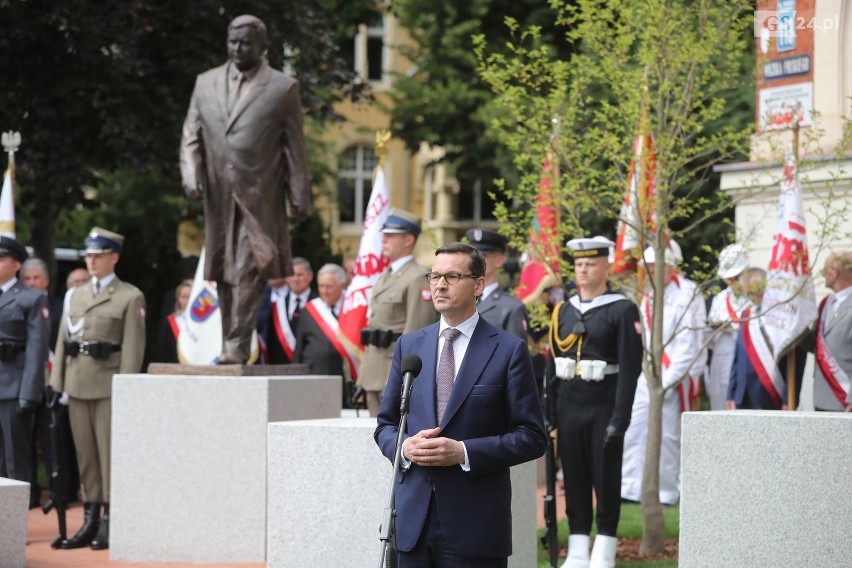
[732, 261]
[402, 221]
[100, 240]
[590, 247]
[11, 247]
[486, 241]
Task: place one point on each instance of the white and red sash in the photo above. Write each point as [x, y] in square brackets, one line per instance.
[688, 396]
[286, 337]
[330, 327]
[732, 313]
[835, 376]
[760, 355]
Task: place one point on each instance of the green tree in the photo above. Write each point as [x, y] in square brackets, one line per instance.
[97, 87]
[442, 100]
[683, 61]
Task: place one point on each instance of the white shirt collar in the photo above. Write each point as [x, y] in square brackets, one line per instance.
[488, 290]
[398, 263]
[839, 297]
[8, 284]
[103, 282]
[466, 327]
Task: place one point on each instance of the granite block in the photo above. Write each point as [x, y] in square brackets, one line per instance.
[14, 501]
[765, 489]
[325, 507]
[189, 462]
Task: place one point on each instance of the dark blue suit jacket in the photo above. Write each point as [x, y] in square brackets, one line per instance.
[744, 386]
[264, 315]
[494, 409]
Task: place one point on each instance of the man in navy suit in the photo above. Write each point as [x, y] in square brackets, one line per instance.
[756, 382]
[474, 412]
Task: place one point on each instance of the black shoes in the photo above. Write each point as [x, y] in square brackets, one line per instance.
[87, 533]
[101, 541]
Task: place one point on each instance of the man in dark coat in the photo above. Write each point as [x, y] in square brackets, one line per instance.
[243, 150]
[24, 332]
[497, 305]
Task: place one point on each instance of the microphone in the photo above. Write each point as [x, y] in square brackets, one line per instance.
[410, 366]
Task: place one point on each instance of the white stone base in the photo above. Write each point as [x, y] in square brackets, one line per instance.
[189, 462]
[328, 486]
[766, 489]
[14, 498]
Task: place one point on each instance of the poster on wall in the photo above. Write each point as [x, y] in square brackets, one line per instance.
[778, 107]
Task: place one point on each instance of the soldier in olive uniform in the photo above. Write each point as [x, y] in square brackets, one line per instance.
[24, 333]
[497, 305]
[102, 333]
[401, 302]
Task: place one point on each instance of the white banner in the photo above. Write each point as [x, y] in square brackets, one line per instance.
[368, 267]
[200, 341]
[7, 204]
[789, 305]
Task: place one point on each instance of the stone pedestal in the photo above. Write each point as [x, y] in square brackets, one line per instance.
[14, 498]
[189, 464]
[328, 486]
[765, 489]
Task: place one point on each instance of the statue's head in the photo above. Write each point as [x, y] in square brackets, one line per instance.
[247, 41]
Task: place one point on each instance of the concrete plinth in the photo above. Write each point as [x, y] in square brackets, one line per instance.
[328, 486]
[765, 489]
[14, 498]
[189, 461]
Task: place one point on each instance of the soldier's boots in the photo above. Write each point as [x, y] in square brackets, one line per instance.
[101, 541]
[87, 533]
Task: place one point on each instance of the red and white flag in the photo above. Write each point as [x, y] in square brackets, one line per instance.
[541, 268]
[789, 306]
[636, 220]
[369, 265]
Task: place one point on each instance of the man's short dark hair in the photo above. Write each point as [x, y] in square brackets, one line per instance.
[476, 262]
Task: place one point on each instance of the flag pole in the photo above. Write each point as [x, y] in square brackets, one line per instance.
[382, 139]
[791, 356]
[11, 142]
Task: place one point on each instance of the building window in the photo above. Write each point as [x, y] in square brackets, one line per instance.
[474, 202]
[368, 49]
[354, 183]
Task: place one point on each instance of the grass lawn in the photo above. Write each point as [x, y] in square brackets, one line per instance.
[630, 526]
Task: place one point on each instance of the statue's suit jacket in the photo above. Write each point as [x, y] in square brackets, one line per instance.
[503, 310]
[402, 302]
[24, 318]
[249, 163]
[117, 315]
[494, 409]
[838, 338]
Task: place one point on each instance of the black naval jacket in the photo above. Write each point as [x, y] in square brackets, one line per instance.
[613, 334]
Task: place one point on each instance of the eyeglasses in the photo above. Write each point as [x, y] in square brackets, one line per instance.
[451, 278]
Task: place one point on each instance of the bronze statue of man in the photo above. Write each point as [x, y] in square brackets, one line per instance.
[243, 150]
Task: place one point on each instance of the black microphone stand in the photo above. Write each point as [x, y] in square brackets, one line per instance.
[388, 557]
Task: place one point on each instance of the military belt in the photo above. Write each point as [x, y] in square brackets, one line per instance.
[379, 337]
[94, 349]
[10, 350]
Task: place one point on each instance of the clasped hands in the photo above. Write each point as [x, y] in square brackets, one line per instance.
[426, 448]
